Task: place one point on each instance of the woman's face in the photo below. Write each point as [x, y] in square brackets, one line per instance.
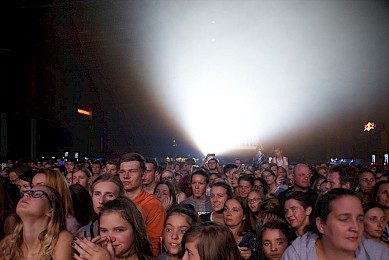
[274, 243]
[383, 195]
[259, 186]
[343, 228]
[79, 177]
[24, 185]
[254, 200]
[103, 192]
[118, 230]
[162, 192]
[233, 213]
[374, 222]
[175, 228]
[39, 179]
[34, 202]
[69, 178]
[168, 176]
[234, 180]
[295, 214]
[218, 198]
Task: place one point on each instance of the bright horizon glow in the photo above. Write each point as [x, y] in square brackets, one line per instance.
[233, 73]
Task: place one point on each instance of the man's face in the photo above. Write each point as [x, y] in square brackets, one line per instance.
[111, 169]
[366, 182]
[212, 164]
[131, 174]
[238, 163]
[149, 175]
[69, 166]
[333, 179]
[96, 168]
[302, 176]
[244, 188]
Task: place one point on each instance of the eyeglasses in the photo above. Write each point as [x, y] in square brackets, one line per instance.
[255, 200]
[37, 194]
[168, 178]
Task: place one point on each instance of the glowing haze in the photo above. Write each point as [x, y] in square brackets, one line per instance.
[237, 72]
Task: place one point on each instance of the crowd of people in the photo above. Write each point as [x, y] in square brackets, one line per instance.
[134, 208]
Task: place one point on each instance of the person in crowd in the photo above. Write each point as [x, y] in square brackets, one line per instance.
[271, 180]
[209, 241]
[279, 158]
[178, 220]
[56, 180]
[338, 176]
[111, 167]
[199, 200]
[374, 223]
[165, 193]
[83, 177]
[95, 169]
[237, 218]
[234, 182]
[186, 177]
[220, 192]
[15, 172]
[261, 185]
[41, 233]
[169, 175]
[301, 176]
[238, 163]
[322, 170]
[245, 185]
[25, 180]
[82, 204]
[298, 211]
[366, 182]
[316, 184]
[381, 197]
[132, 168]
[338, 231]
[69, 178]
[105, 188]
[254, 200]
[123, 234]
[10, 195]
[228, 170]
[149, 178]
[269, 210]
[274, 237]
[70, 165]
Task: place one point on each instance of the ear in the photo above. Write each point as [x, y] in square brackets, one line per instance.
[50, 213]
[320, 225]
[308, 211]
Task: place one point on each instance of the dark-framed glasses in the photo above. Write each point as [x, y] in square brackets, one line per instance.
[36, 194]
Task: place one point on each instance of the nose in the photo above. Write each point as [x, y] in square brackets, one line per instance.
[273, 247]
[288, 213]
[355, 225]
[175, 235]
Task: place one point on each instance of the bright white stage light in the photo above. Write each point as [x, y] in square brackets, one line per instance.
[235, 72]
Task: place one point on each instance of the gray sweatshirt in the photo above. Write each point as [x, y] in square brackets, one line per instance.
[304, 248]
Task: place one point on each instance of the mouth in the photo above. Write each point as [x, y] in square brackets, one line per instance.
[352, 239]
[174, 245]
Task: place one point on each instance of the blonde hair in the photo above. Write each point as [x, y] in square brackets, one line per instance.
[48, 237]
[56, 180]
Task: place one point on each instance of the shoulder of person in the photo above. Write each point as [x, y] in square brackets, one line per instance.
[63, 249]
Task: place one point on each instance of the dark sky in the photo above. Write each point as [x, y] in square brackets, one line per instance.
[140, 64]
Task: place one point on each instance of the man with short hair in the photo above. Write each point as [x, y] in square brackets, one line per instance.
[111, 167]
[245, 185]
[149, 177]
[213, 165]
[96, 168]
[70, 165]
[337, 177]
[131, 173]
[366, 182]
[302, 176]
[199, 200]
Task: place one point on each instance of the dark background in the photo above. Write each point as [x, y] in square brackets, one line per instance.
[57, 56]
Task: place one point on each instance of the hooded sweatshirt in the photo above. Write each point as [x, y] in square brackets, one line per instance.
[154, 216]
[304, 248]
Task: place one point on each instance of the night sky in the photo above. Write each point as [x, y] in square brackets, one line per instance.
[311, 73]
